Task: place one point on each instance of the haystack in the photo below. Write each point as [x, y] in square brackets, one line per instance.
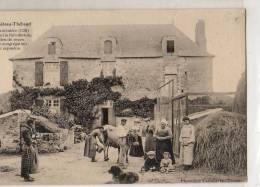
[221, 143]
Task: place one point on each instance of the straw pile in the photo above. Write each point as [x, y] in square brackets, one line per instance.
[221, 143]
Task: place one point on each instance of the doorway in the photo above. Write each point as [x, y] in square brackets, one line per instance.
[104, 116]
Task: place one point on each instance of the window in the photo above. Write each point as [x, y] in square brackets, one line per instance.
[52, 48]
[170, 46]
[108, 47]
[56, 103]
[49, 103]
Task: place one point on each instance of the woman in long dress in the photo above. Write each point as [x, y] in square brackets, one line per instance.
[136, 149]
[29, 162]
[92, 144]
[163, 141]
[187, 140]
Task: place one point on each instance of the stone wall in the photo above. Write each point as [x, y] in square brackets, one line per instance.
[200, 74]
[10, 132]
[142, 76]
[47, 142]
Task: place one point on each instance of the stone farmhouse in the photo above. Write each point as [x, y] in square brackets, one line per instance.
[146, 56]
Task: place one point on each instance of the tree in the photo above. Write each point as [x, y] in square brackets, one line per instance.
[240, 101]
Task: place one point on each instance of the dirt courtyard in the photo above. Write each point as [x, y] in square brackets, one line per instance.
[70, 167]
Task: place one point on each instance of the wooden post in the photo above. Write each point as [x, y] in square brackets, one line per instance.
[19, 123]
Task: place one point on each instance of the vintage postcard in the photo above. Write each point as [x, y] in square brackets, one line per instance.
[108, 97]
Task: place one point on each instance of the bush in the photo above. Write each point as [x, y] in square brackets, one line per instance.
[62, 120]
[221, 143]
[82, 96]
[240, 101]
[26, 98]
[143, 107]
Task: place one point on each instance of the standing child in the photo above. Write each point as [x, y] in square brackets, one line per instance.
[150, 142]
[150, 164]
[187, 140]
[166, 163]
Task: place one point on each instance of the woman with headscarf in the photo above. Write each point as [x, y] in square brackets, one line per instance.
[163, 141]
[93, 144]
[136, 149]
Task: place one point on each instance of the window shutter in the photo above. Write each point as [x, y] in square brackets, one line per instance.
[38, 73]
[63, 73]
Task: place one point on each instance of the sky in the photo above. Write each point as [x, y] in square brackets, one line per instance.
[225, 32]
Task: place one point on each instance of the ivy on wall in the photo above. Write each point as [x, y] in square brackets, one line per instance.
[81, 97]
[143, 107]
[25, 99]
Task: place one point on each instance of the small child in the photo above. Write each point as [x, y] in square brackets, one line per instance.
[166, 163]
[150, 164]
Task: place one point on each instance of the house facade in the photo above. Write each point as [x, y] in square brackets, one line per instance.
[146, 56]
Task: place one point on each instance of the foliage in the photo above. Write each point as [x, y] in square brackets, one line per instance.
[240, 101]
[82, 96]
[25, 99]
[143, 107]
[201, 103]
[80, 99]
[62, 120]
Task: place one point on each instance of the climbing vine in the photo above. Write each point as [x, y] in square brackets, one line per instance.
[143, 107]
[82, 96]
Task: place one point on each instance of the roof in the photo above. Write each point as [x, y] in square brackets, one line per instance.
[132, 41]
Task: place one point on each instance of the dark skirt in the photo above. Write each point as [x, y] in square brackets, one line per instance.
[35, 160]
[90, 147]
[164, 146]
[27, 161]
[137, 150]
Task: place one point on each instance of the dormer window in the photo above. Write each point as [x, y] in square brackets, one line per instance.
[52, 48]
[170, 46]
[108, 46]
[108, 49]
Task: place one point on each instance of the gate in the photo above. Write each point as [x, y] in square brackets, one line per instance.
[179, 110]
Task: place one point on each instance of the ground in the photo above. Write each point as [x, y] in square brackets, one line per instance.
[70, 167]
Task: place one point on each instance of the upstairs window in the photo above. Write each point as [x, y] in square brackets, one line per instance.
[170, 46]
[108, 47]
[52, 48]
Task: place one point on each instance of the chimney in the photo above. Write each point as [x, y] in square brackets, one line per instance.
[200, 36]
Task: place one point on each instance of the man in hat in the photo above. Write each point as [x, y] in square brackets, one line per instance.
[122, 131]
[29, 161]
[187, 140]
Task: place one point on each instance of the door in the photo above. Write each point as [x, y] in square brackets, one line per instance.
[179, 110]
[104, 116]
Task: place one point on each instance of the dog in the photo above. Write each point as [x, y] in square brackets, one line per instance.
[121, 177]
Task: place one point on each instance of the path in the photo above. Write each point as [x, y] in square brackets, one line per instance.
[71, 167]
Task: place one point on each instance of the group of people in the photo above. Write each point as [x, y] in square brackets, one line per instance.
[159, 152]
[158, 148]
